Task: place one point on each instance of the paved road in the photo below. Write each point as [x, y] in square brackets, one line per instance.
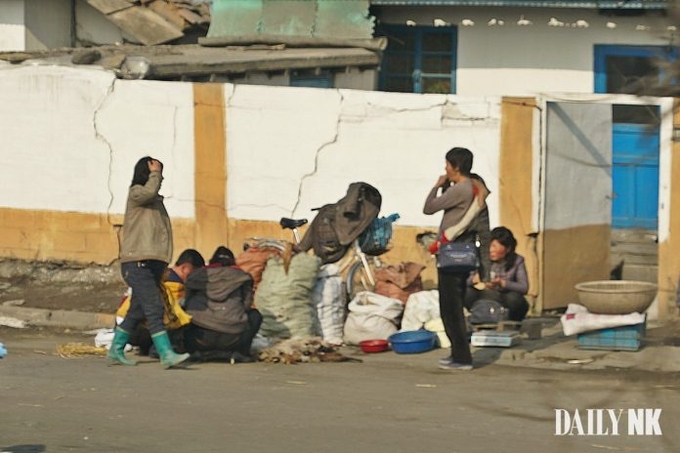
[388, 403]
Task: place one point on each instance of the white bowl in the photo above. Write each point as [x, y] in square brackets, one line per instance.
[616, 297]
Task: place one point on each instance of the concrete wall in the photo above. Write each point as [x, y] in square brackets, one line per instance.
[12, 25]
[287, 150]
[239, 157]
[69, 151]
[523, 60]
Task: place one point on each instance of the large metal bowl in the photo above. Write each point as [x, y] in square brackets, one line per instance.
[616, 297]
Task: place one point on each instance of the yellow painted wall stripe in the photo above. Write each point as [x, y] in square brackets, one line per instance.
[210, 167]
[669, 265]
[515, 172]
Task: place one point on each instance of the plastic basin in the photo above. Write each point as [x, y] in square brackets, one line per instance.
[412, 342]
[616, 297]
[370, 346]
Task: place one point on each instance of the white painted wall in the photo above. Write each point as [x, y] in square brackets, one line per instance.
[12, 27]
[71, 137]
[294, 149]
[525, 60]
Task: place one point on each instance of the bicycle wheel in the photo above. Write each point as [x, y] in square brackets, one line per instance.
[358, 279]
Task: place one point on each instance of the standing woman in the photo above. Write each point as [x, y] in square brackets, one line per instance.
[145, 252]
[455, 199]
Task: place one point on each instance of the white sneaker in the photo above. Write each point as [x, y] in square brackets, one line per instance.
[446, 360]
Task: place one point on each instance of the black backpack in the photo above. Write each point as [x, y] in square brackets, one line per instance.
[326, 244]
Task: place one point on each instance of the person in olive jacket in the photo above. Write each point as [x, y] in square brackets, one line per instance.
[146, 250]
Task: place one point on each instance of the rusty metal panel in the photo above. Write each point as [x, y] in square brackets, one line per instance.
[288, 17]
[343, 19]
[235, 18]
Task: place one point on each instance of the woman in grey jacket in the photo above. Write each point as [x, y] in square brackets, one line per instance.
[146, 250]
[508, 283]
[455, 198]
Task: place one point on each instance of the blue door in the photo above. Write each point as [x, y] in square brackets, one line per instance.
[635, 134]
[635, 176]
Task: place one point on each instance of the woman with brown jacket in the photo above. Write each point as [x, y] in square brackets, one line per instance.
[146, 250]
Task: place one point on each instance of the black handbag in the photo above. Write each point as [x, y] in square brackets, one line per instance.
[486, 311]
[457, 257]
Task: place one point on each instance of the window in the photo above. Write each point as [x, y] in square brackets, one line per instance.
[419, 59]
[632, 69]
[323, 79]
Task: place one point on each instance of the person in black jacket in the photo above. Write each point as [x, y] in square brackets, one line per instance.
[219, 298]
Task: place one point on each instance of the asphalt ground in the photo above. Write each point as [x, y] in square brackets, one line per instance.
[385, 402]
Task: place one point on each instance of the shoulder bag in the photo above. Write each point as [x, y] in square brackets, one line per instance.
[455, 257]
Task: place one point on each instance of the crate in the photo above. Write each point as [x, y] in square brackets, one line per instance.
[624, 338]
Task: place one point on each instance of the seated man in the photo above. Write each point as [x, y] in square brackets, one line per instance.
[173, 291]
[219, 299]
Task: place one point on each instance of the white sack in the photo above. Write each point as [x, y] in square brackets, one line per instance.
[578, 319]
[421, 307]
[372, 317]
[328, 302]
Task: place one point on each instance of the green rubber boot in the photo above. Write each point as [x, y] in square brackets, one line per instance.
[116, 353]
[168, 356]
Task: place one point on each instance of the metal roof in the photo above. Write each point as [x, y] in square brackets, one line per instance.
[584, 4]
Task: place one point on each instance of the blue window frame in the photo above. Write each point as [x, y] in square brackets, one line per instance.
[620, 69]
[419, 59]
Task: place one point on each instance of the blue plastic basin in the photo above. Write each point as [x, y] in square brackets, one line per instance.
[412, 342]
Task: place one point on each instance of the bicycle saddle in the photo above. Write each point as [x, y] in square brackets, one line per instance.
[291, 223]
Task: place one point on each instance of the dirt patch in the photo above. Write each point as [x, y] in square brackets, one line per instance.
[60, 286]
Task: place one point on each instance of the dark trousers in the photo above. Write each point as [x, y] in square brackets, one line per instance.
[144, 277]
[516, 304]
[201, 339]
[451, 294]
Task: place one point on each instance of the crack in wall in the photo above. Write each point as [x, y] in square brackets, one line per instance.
[100, 137]
[318, 152]
[175, 112]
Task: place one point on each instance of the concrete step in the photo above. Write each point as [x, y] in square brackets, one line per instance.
[643, 273]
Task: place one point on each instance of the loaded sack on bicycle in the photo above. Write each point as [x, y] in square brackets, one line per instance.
[337, 225]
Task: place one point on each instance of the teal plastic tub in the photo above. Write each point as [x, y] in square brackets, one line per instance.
[624, 338]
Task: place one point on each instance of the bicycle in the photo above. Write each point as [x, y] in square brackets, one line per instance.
[359, 263]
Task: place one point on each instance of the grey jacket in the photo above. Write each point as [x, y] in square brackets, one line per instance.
[454, 202]
[147, 232]
[218, 298]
